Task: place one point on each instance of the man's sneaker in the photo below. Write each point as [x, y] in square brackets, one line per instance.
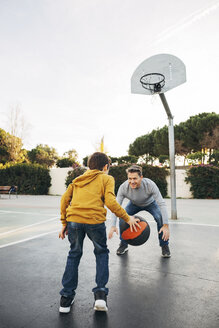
[166, 251]
[122, 249]
[65, 304]
[100, 303]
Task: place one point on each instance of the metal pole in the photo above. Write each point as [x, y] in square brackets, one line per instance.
[172, 157]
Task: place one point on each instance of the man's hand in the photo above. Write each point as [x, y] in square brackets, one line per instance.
[112, 230]
[63, 232]
[166, 232]
[133, 222]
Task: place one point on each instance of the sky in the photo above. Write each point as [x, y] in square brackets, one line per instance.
[68, 64]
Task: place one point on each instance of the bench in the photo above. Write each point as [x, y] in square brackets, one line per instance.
[8, 190]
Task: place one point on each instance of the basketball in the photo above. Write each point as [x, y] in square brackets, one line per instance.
[135, 238]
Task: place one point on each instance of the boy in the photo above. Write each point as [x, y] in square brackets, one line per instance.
[83, 212]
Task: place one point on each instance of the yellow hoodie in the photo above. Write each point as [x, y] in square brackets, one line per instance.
[84, 200]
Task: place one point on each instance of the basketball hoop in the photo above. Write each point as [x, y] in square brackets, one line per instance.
[170, 73]
[153, 82]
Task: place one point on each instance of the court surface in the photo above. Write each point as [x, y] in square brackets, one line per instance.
[145, 290]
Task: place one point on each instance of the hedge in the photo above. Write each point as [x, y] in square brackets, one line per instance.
[31, 179]
[74, 174]
[204, 180]
[157, 174]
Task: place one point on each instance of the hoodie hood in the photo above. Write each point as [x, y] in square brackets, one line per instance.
[86, 178]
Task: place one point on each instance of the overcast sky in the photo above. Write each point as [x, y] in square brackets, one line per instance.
[68, 65]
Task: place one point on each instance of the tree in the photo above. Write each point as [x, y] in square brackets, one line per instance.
[12, 142]
[66, 162]
[199, 131]
[210, 139]
[4, 151]
[17, 124]
[69, 159]
[11, 149]
[71, 154]
[161, 143]
[43, 155]
[142, 145]
[124, 159]
[16, 153]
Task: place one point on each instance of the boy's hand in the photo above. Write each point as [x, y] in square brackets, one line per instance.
[112, 230]
[133, 222]
[63, 232]
[166, 232]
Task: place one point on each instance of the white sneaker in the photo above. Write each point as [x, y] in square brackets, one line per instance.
[65, 304]
[100, 303]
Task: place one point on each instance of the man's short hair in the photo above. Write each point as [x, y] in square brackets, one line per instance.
[97, 161]
[135, 169]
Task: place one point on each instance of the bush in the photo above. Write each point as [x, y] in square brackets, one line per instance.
[163, 158]
[85, 160]
[157, 174]
[119, 174]
[31, 179]
[204, 181]
[214, 157]
[65, 162]
[74, 174]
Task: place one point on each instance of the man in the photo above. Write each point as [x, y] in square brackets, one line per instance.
[143, 195]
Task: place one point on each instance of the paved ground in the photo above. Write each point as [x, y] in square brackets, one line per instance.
[146, 291]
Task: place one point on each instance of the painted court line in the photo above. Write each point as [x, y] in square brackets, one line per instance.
[30, 213]
[50, 232]
[27, 226]
[196, 224]
[190, 223]
[27, 239]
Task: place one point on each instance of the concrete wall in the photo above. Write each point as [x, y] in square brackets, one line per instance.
[59, 175]
[182, 188]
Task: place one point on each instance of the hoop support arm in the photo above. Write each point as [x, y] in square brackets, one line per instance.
[166, 106]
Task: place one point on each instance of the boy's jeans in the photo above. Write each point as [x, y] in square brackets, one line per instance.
[76, 235]
[154, 210]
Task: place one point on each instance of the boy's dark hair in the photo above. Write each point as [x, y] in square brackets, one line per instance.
[97, 161]
[135, 169]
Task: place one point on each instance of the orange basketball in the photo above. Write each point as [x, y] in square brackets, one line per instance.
[138, 237]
